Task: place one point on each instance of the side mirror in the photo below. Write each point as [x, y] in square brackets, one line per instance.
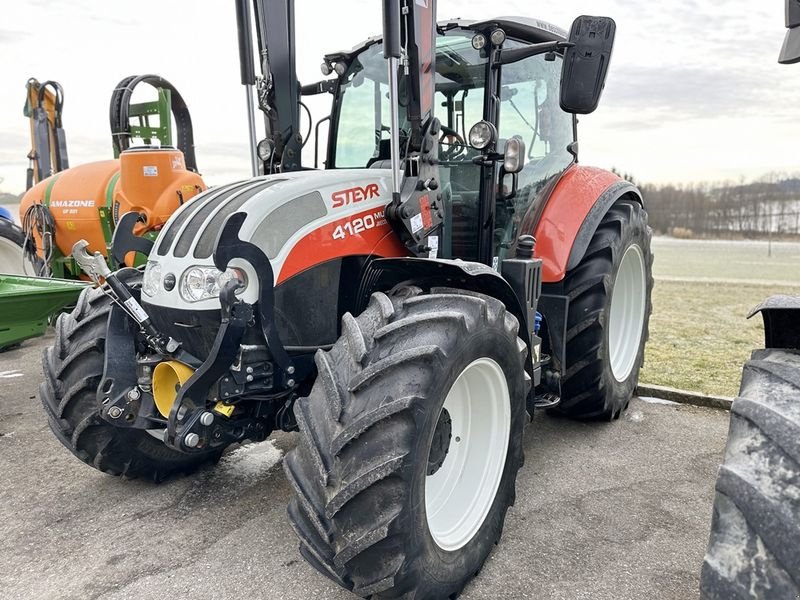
[514, 155]
[586, 63]
[790, 52]
[513, 163]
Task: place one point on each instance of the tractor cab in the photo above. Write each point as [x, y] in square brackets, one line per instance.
[522, 103]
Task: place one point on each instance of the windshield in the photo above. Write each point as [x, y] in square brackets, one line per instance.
[363, 120]
[528, 108]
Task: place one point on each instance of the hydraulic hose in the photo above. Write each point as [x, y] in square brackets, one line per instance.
[120, 119]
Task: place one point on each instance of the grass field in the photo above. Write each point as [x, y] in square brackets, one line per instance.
[699, 336]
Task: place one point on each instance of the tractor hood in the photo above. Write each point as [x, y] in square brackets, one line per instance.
[298, 219]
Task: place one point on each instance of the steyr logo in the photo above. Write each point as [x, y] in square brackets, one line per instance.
[354, 194]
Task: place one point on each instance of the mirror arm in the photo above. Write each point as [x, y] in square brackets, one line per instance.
[512, 193]
[487, 160]
[516, 54]
[326, 86]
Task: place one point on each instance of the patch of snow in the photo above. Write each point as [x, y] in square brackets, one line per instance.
[651, 400]
[634, 415]
[251, 460]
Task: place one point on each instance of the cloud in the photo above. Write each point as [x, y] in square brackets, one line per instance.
[10, 36]
[687, 92]
[702, 75]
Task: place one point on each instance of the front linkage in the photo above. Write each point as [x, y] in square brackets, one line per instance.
[205, 410]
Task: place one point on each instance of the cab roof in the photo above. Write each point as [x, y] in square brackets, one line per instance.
[525, 29]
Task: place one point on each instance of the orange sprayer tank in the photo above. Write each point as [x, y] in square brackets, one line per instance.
[151, 181]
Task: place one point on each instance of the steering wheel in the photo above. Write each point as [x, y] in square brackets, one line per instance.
[455, 142]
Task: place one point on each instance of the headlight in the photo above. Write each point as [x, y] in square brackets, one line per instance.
[201, 283]
[478, 41]
[482, 135]
[498, 36]
[152, 279]
[264, 149]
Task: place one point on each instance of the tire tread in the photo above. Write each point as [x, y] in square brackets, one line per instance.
[755, 528]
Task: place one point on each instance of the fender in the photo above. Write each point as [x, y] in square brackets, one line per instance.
[781, 321]
[571, 215]
[384, 273]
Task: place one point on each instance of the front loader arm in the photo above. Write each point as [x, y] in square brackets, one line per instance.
[409, 46]
[277, 88]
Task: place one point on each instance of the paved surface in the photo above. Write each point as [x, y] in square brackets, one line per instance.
[604, 511]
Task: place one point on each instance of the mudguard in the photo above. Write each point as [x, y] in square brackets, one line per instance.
[571, 215]
[569, 219]
[781, 321]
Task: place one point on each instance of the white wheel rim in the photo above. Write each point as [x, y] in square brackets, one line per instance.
[459, 495]
[626, 318]
[11, 257]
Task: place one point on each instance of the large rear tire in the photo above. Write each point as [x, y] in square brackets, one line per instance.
[753, 552]
[410, 444]
[73, 367]
[609, 311]
[12, 255]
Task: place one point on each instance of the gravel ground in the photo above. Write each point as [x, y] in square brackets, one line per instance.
[604, 511]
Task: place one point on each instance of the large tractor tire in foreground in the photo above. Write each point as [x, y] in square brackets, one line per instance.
[609, 311]
[754, 548]
[12, 256]
[73, 367]
[411, 440]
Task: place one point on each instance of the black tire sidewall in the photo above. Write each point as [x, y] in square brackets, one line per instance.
[447, 568]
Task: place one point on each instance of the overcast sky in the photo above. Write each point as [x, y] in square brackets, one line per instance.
[694, 90]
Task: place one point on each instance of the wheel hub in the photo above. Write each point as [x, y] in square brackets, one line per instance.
[440, 445]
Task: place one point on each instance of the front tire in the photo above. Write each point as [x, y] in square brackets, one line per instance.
[410, 444]
[755, 529]
[73, 368]
[608, 316]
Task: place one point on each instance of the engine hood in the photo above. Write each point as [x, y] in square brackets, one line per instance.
[298, 219]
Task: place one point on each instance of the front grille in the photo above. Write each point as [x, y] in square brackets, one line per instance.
[197, 220]
[205, 245]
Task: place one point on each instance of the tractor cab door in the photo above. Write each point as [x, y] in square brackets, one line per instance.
[529, 107]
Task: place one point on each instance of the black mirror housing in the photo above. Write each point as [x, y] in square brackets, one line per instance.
[790, 52]
[583, 75]
[792, 13]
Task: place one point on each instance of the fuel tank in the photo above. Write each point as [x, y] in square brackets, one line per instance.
[151, 181]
